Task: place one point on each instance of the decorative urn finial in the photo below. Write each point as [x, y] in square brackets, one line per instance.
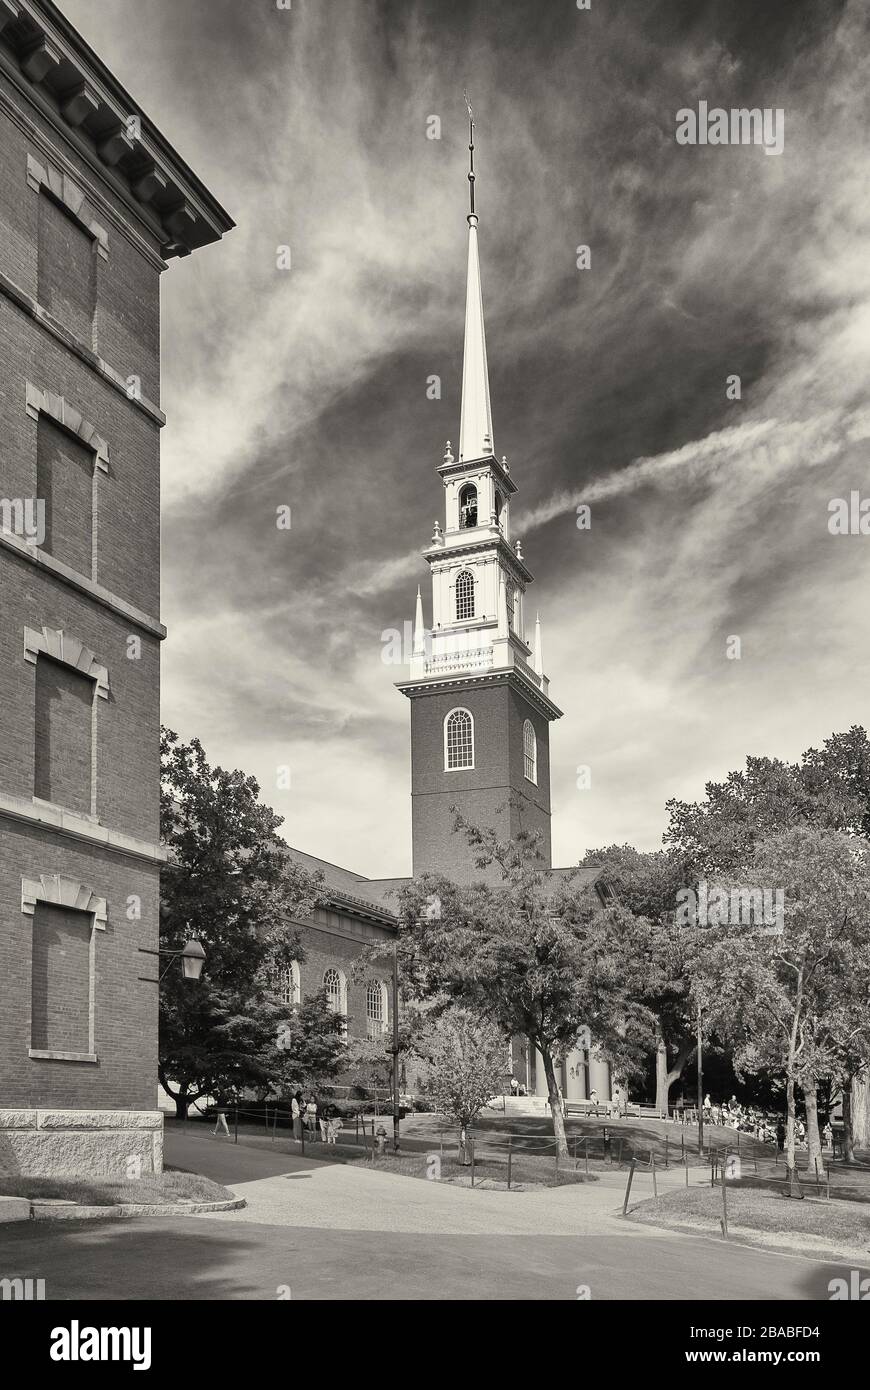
[448, 453]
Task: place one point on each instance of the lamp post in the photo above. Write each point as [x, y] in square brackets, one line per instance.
[700, 1087]
[395, 1048]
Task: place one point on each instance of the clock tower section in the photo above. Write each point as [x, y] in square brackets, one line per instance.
[480, 704]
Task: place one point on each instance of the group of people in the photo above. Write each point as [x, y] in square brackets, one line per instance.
[307, 1112]
[770, 1129]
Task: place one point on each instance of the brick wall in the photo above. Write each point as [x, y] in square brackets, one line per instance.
[325, 949]
[63, 709]
[67, 270]
[125, 1007]
[60, 975]
[494, 793]
[110, 306]
[128, 723]
[65, 483]
[126, 322]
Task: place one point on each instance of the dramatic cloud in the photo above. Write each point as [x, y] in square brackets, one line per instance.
[307, 387]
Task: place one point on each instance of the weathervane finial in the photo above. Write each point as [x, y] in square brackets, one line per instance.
[470, 150]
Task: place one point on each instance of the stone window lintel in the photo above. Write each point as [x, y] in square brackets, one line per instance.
[67, 192]
[37, 402]
[60, 891]
[69, 651]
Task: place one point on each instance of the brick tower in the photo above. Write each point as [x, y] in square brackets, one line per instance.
[480, 707]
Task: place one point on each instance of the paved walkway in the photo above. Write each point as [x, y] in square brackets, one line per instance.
[337, 1233]
[284, 1190]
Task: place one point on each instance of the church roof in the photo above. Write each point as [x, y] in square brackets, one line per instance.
[347, 886]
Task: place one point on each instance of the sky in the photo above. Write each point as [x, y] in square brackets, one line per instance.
[306, 387]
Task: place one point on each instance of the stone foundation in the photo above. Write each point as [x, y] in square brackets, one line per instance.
[119, 1144]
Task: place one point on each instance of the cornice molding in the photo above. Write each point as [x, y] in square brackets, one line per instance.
[50, 61]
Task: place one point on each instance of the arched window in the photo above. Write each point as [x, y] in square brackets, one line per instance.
[468, 507]
[376, 1008]
[336, 990]
[464, 595]
[286, 983]
[530, 752]
[458, 740]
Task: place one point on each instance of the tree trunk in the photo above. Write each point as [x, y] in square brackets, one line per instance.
[848, 1131]
[464, 1156]
[861, 1111]
[793, 1186]
[814, 1141]
[665, 1078]
[661, 1076]
[555, 1102]
[182, 1101]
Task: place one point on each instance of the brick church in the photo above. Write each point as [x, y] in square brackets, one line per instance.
[480, 709]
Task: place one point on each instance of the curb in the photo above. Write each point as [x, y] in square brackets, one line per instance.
[71, 1211]
[743, 1235]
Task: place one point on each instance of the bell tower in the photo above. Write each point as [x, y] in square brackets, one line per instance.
[480, 705]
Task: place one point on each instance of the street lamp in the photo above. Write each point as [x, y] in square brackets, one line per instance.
[192, 959]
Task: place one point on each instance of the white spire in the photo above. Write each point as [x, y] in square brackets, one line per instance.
[538, 659]
[419, 629]
[475, 431]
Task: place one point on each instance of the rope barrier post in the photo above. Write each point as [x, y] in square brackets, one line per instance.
[236, 1140]
[724, 1204]
[510, 1155]
[655, 1184]
[628, 1185]
[686, 1171]
[470, 1142]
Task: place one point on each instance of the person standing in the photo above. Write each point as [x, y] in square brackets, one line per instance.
[296, 1115]
[311, 1116]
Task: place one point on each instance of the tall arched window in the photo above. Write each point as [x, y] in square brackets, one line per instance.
[376, 1008]
[530, 752]
[336, 990]
[458, 740]
[464, 595]
[286, 983]
[468, 507]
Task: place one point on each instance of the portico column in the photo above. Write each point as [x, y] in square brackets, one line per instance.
[575, 1075]
[599, 1077]
[541, 1087]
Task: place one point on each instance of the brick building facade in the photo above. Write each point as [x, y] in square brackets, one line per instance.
[93, 205]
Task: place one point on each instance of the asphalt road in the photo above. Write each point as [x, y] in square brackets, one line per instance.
[191, 1258]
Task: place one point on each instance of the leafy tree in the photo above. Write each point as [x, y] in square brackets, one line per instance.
[647, 885]
[533, 956]
[466, 1060]
[828, 788]
[230, 884]
[776, 996]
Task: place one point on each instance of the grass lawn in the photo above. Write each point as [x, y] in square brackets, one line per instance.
[172, 1186]
[839, 1224]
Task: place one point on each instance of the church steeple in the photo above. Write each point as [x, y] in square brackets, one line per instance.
[475, 431]
[480, 703]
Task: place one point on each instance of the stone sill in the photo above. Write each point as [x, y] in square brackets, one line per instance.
[80, 828]
[83, 584]
[48, 1056]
